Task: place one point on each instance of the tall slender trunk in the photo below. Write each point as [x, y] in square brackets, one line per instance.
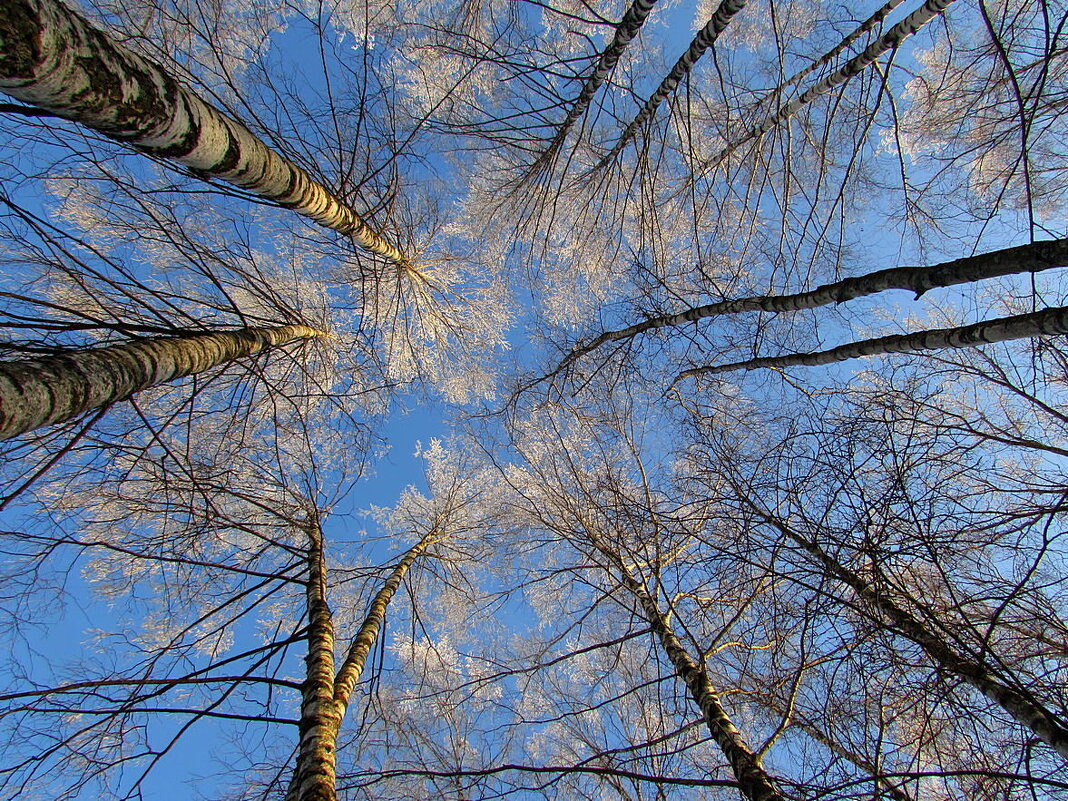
[365, 638]
[1023, 709]
[867, 25]
[1031, 258]
[704, 39]
[891, 39]
[754, 782]
[1048, 322]
[326, 694]
[627, 29]
[315, 775]
[52, 58]
[39, 392]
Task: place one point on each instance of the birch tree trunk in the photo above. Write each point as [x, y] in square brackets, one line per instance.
[315, 775]
[753, 781]
[1048, 322]
[891, 39]
[1031, 258]
[39, 392]
[1023, 709]
[326, 696]
[705, 38]
[52, 58]
[365, 638]
[827, 57]
[628, 27]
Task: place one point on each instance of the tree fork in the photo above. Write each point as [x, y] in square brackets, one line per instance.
[40, 392]
[325, 696]
[55, 60]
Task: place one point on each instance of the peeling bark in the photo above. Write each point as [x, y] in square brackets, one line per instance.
[52, 58]
[1048, 322]
[40, 392]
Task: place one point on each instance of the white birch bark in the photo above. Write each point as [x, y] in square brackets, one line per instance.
[890, 40]
[1021, 707]
[326, 695]
[628, 28]
[1048, 322]
[364, 641]
[52, 58]
[705, 38]
[754, 782]
[1031, 258]
[851, 37]
[315, 774]
[40, 392]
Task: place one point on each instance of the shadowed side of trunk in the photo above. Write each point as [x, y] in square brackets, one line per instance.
[40, 392]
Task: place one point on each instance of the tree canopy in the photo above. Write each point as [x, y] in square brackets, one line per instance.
[742, 324]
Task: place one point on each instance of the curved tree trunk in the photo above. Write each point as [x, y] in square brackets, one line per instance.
[1032, 258]
[39, 392]
[52, 58]
[1047, 322]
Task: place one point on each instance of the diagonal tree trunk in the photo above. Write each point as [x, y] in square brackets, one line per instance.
[326, 695]
[52, 58]
[627, 29]
[754, 782]
[39, 392]
[890, 40]
[705, 38]
[1048, 322]
[1020, 707]
[1032, 258]
[827, 57]
[365, 638]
